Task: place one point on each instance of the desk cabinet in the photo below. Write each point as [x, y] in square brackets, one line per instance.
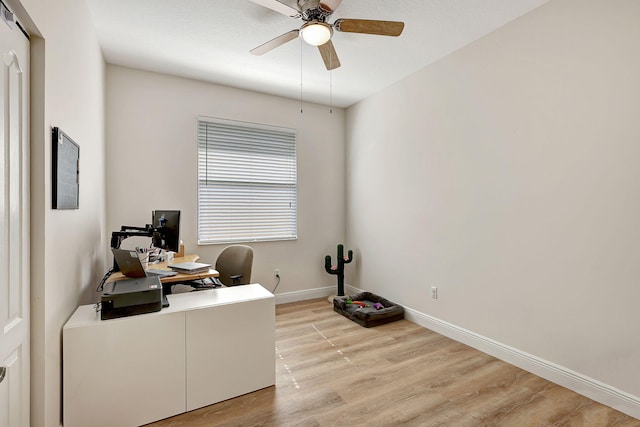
[208, 346]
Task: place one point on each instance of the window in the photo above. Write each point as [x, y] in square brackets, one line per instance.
[246, 182]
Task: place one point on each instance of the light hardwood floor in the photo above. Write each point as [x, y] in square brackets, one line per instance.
[333, 372]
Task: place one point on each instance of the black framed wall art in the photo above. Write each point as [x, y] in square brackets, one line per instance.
[65, 168]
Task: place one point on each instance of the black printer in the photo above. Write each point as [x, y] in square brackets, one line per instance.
[129, 297]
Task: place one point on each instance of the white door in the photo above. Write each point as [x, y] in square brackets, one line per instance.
[14, 228]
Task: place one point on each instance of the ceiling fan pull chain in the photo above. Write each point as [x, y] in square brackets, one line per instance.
[331, 92]
[301, 77]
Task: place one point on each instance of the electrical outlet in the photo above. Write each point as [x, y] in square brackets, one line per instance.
[276, 273]
[434, 292]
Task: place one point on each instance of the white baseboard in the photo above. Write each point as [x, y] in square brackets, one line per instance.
[351, 290]
[304, 295]
[312, 294]
[582, 384]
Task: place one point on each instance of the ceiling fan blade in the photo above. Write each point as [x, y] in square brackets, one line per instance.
[329, 55]
[331, 4]
[367, 26]
[279, 7]
[272, 44]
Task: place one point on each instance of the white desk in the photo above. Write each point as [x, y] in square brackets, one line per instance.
[208, 346]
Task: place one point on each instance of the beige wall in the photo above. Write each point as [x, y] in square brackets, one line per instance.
[507, 176]
[68, 246]
[152, 164]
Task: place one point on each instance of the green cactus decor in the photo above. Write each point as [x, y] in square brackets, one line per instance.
[338, 270]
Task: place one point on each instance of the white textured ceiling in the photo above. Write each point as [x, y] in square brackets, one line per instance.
[210, 40]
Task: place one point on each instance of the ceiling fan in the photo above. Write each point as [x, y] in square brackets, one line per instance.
[317, 31]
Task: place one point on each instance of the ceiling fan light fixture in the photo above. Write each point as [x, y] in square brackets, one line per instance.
[316, 33]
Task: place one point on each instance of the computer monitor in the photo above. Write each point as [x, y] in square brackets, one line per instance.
[167, 224]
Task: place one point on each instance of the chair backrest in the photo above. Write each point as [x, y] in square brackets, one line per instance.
[235, 260]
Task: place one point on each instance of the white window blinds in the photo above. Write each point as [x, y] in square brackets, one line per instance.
[246, 182]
